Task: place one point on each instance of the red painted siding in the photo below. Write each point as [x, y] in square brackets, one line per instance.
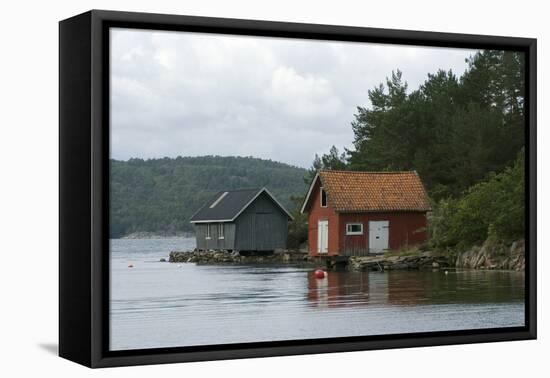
[317, 213]
[405, 228]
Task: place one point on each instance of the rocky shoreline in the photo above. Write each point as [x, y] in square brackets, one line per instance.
[494, 255]
[423, 260]
[221, 257]
[489, 256]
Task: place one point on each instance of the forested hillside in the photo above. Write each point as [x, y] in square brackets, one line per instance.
[463, 134]
[160, 195]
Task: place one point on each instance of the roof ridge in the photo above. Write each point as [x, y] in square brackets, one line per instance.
[226, 206]
[243, 190]
[377, 172]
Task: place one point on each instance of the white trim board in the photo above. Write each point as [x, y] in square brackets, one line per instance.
[306, 200]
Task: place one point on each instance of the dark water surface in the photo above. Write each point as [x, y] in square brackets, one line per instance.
[157, 304]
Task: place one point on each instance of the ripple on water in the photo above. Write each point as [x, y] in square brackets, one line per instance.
[161, 304]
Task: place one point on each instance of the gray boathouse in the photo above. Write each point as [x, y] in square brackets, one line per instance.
[248, 221]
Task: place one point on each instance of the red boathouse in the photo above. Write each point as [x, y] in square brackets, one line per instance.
[353, 213]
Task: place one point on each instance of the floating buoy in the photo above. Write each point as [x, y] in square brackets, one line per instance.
[130, 266]
[319, 274]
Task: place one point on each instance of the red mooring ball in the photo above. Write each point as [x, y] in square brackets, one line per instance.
[319, 274]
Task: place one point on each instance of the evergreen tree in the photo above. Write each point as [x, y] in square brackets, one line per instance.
[453, 131]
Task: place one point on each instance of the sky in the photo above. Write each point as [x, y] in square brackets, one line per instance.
[190, 94]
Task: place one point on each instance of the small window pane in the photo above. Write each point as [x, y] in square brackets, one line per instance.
[354, 229]
[323, 198]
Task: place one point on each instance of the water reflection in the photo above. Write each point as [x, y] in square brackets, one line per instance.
[339, 289]
[158, 304]
[409, 288]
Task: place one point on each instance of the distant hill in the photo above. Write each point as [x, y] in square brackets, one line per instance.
[160, 195]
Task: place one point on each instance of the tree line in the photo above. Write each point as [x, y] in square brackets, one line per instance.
[161, 195]
[463, 135]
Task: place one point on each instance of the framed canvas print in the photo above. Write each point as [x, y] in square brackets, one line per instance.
[234, 188]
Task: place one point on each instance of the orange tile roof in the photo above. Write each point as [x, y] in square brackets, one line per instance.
[350, 191]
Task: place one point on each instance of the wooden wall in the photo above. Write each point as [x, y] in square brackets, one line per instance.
[228, 242]
[317, 213]
[263, 226]
[405, 229]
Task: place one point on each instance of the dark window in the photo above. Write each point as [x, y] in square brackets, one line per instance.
[323, 198]
[354, 229]
[220, 231]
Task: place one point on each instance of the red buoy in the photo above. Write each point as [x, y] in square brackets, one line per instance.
[319, 274]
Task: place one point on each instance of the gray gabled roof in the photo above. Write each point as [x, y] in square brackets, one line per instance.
[226, 206]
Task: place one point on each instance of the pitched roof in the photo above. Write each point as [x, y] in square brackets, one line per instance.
[225, 206]
[356, 191]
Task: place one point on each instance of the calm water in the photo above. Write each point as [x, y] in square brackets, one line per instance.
[157, 304]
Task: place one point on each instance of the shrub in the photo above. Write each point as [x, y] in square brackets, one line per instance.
[495, 206]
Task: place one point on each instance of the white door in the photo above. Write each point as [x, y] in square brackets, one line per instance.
[379, 232]
[322, 236]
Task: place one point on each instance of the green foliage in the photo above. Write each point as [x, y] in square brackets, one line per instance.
[452, 131]
[161, 195]
[493, 209]
[333, 160]
[456, 132]
[298, 227]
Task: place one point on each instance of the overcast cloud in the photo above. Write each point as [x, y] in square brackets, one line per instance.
[189, 94]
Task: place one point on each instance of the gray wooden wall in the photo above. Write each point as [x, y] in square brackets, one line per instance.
[228, 242]
[263, 226]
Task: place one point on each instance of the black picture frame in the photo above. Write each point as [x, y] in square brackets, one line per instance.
[84, 187]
